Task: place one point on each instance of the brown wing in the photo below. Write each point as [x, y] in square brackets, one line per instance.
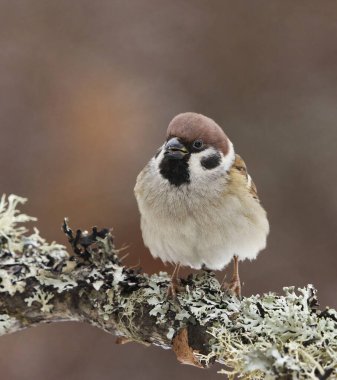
[239, 168]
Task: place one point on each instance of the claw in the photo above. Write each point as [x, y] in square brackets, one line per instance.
[174, 288]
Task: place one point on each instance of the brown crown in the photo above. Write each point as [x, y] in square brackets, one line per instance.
[191, 126]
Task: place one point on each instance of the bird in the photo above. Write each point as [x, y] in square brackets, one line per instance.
[198, 205]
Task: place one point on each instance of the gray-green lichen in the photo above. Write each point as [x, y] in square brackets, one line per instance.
[11, 228]
[259, 337]
[267, 336]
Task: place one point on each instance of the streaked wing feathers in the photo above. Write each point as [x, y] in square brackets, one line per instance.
[240, 167]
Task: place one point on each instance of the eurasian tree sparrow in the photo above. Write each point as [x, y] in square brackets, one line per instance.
[199, 206]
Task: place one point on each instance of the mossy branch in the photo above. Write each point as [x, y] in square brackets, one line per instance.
[258, 337]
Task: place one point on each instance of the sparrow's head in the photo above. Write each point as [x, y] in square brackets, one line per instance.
[196, 149]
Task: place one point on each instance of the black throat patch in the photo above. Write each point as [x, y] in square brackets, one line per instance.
[175, 171]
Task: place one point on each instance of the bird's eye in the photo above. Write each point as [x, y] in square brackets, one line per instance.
[198, 144]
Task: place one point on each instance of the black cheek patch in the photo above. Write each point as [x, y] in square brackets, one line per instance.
[211, 162]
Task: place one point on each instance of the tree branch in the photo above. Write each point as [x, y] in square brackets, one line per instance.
[269, 336]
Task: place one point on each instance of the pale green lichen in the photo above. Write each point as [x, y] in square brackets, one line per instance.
[10, 217]
[42, 298]
[277, 335]
[10, 284]
[13, 238]
[61, 283]
[7, 324]
[35, 240]
[258, 337]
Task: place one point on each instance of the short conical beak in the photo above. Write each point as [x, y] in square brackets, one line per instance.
[175, 149]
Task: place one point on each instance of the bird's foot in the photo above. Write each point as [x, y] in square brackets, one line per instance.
[174, 288]
[234, 287]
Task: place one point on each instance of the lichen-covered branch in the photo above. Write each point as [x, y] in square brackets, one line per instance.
[259, 337]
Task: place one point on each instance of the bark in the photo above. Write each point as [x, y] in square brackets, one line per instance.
[267, 336]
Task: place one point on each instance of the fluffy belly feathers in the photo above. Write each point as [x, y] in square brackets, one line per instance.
[211, 236]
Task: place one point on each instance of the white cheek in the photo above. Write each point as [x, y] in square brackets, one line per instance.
[194, 163]
[227, 161]
[225, 164]
[199, 174]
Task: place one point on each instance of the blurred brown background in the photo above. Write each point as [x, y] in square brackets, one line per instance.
[86, 92]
